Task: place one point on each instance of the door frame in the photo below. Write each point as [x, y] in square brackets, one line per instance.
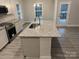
[59, 10]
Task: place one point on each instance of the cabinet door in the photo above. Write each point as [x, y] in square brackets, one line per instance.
[3, 38]
[31, 47]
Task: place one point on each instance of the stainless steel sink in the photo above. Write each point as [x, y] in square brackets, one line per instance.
[33, 26]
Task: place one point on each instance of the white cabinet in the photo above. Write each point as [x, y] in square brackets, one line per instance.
[37, 47]
[18, 26]
[3, 38]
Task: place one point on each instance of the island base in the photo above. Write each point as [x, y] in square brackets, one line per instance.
[37, 47]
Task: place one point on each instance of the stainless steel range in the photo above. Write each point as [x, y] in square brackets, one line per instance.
[10, 29]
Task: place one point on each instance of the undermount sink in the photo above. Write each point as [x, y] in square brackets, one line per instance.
[33, 26]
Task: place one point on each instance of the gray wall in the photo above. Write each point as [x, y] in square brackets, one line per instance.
[48, 9]
[74, 13]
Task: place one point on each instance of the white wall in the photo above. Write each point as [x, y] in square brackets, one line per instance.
[48, 9]
[74, 13]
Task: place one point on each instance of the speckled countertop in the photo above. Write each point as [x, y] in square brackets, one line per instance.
[46, 29]
[7, 18]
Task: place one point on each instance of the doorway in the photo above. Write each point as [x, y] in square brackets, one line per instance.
[63, 14]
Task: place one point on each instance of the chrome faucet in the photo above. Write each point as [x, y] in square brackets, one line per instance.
[38, 19]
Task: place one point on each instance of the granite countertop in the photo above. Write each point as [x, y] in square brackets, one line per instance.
[46, 29]
[9, 18]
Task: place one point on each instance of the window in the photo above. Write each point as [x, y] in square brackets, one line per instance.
[64, 7]
[19, 11]
[64, 10]
[38, 10]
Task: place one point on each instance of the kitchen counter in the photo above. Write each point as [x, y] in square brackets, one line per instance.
[7, 18]
[46, 29]
[37, 41]
[1, 28]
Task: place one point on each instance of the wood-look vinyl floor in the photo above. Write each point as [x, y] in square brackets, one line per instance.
[65, 47]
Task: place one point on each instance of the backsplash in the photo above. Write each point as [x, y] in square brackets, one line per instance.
[7, 18]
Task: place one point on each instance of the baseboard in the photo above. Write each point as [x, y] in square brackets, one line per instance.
[45, 57]
[73, 25]
[67, 25]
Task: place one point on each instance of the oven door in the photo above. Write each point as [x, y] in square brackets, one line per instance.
[11, 32]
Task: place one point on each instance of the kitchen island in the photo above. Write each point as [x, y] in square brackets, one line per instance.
[37, 41]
